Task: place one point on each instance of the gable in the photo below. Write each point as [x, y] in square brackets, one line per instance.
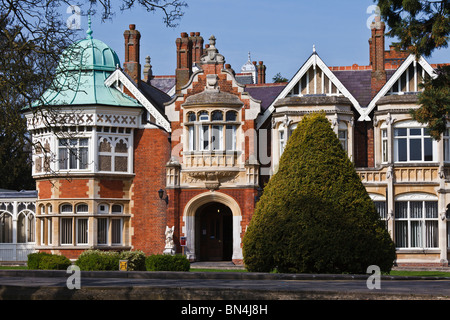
[119, 78]
[313, 78]
[406, 80]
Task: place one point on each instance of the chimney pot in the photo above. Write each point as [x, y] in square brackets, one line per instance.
[184, 35]
[132, 26]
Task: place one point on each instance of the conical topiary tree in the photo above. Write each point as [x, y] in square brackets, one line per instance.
[315, 215]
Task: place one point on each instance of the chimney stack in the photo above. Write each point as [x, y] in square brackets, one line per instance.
[377, 58]
[132, 48]
[184, 61]
[261, 72]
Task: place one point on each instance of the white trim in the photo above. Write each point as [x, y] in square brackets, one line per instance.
[405, 65]
[118, 77]
[314, 60]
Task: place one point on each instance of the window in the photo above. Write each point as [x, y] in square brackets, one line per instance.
[446, 139]
[66, 208]
[342, 135]
[113, 154]
[82, 231]
[416, 224]
[6, 227]
[66, 230]
[211, 132]
[73, 154]
[102, 231]
[103, 208]
[25, 227]
[413, 145]
[384, 145]
[82, 208]
[116, 231]
[117, 208]
[282, 139]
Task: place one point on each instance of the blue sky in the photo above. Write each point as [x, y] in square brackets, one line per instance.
[280, 33]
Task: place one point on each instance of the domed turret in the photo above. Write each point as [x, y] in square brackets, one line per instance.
[80, 76]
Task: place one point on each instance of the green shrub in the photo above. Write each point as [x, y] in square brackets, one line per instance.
[136, 260]
[47, 261]
[33, 259]
[54, 262]
[163, 262]
[97, 260]
[315, 215]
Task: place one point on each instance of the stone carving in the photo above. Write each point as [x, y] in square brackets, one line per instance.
[170, 246]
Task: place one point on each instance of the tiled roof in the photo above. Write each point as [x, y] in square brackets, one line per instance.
[267, 93]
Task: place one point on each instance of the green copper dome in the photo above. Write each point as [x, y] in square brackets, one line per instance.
[80, 77]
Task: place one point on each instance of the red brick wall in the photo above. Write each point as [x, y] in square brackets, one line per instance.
[73, 188]
[111, 188]
[44, 189]
[152, 152]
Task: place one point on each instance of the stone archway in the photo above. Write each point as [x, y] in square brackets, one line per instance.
[191, 229]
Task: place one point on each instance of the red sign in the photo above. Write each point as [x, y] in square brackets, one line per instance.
[183, 241]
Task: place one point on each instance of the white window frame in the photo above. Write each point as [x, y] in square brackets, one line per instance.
[408, 126]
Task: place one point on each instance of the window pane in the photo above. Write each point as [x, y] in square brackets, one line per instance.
[217, 116]
[428, 149]
[431, 209]
[191, 117]
[431, 234]
[416, 234]
[82, 231]
[401, 210]
[66, 208]
[415, 149]
[401, 234]
[415, 132]
[203, 116]
[116, 229]
[231, 116]
[381, 208]
[62, 158]
[204, 142]
[21, 229]
[415, 208]
[72, 158]
[217, 137]
[400, 132]
[6, 228]
[66, 231]
[400, 149]
[191, 138]
[82, 208]
[83, 160]
[116, 208]
[30, 227]
[230, 137]
[102, 231]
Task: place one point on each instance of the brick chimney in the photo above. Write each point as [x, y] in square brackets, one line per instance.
[261, 68]
[184, 61]
[132, 48]
[377, 58]
[197, 46]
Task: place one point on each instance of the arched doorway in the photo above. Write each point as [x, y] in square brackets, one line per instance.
[192, 216]
[214, 234]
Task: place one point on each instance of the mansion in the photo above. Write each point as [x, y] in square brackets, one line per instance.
[130, 157]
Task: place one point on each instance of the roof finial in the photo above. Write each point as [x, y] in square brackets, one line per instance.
[89, 31]
[314, 48]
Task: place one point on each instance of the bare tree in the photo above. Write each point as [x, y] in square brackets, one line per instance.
[33, 37]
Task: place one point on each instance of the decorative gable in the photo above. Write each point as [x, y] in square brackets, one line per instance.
[313, 79]
[404, 82]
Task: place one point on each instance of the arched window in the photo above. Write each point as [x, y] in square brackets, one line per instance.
[231, 116]
[82, 208]
[191, 117]
[66, 208]
[117, 208]
[25, 226]
[6, 227]
[217, 116]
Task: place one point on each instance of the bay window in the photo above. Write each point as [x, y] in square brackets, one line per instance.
[210, 132]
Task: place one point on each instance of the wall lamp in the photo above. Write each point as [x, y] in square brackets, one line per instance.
[161, 196]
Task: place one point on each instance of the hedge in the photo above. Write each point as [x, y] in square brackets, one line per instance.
[47, 261]
[163, 262]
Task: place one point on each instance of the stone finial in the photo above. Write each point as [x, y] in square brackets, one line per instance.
[148, 73]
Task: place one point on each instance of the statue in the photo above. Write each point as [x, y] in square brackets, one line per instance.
[170, 246]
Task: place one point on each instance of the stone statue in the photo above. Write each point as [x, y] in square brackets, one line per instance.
[170, 246]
